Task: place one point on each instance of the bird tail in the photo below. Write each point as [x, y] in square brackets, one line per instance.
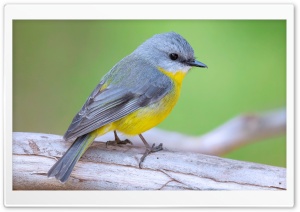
[62, 169]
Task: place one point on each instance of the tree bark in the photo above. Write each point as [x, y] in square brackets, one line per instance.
[235, 133]
[116, 168]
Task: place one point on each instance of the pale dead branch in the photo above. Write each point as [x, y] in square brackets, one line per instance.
[116, 168]
[237, 132]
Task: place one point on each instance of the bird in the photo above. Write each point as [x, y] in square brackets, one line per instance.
[137, 94]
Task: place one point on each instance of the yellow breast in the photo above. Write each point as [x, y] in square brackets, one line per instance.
[150, 116]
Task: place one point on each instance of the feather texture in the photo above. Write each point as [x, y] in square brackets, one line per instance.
[119, 98]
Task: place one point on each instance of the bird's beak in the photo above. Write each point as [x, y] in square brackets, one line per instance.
[197, 64]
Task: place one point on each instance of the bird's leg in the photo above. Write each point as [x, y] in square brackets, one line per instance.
[149, 149]
[118, 141]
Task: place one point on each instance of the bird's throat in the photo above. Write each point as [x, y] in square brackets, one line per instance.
[175, 76]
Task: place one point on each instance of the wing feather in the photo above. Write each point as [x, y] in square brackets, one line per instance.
[107, 105]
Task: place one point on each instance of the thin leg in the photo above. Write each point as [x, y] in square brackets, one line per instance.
[118, 141]
[149, 149]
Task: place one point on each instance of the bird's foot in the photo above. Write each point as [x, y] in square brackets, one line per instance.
[118, 142]
[149, 151]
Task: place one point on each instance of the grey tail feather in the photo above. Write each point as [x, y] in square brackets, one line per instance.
[62, 169]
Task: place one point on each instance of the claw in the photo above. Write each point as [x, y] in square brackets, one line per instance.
[118, 141]
[148, 151]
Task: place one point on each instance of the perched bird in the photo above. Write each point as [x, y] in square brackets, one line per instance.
[134, 96]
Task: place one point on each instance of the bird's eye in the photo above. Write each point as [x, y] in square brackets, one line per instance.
[173, 56]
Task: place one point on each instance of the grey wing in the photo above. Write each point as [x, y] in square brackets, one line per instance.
[113, 103]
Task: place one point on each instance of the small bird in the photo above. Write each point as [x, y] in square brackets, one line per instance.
[137, 94]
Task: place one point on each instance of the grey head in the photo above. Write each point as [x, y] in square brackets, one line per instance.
[169, 51]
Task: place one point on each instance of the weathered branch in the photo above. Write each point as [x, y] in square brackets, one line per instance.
[116, 168]
[237, 132]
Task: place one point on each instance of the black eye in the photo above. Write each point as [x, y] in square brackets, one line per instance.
[173, 56]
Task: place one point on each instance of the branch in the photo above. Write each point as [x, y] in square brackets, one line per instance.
[237, 132]
[116, 168]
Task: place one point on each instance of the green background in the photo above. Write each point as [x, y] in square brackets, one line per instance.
[56, 65]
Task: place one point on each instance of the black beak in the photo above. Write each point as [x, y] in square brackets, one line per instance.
[196, 64]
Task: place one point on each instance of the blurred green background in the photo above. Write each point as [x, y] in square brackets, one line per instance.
[56, 65]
